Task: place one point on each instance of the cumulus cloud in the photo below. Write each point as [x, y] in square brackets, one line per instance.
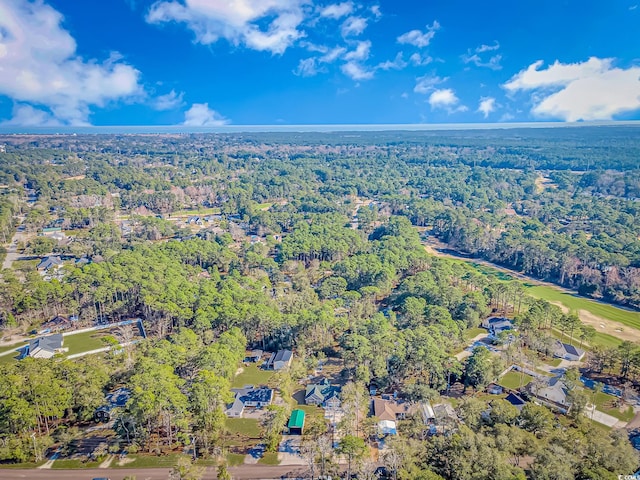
[487, 105]
[200, 115]
[419, 60]
[337, 10]
[591, 90]
[307, 67]
[357, 71]
[265, 25]
[39, 66]
[420, 39]
[170, 101]
[397, 63]
[353, 26]
[27, 116]
[446, 99]
[478, 58]
[427, 83]
[361, 52]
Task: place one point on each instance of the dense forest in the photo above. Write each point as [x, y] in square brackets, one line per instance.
[315, 242]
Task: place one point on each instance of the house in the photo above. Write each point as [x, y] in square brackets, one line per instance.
[553, 392]
[44, 347]
[568, 352]
[497, 325]
[296, 422]
[280, 360]
[254, 356]
[446, 418]
[516, 401]
[51, 230]
[494, 389]
[321, 393]
[390, 410]
[49, 262]
[57, 323]
[249, 396]
[428, 415]
[387, 427]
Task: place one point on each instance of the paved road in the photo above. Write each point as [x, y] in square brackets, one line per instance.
[243, 472]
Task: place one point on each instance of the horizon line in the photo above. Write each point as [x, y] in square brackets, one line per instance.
[298, 128]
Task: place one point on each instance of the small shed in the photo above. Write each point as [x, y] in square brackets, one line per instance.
[296, 422]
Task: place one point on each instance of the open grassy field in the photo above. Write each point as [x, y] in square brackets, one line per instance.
[248, 427]
[515, 380]
[252, 375]
[605, 403]
[234, 459]
[269, 458]
[199, 211]
[472, 333]
[86, 341]
[575, 302]
[149, 461]
[67, 464]
[600, 339]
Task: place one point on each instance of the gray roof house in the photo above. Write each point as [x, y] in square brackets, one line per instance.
[249, 396]
[568, 352]
[44, 347]
[281, 359]
[553, 392]
[49, 262]
[321, 393]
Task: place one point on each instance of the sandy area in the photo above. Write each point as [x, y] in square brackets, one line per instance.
[124, 461]
[602, 325]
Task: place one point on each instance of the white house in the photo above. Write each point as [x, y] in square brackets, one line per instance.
[568, 352]
[282, 359]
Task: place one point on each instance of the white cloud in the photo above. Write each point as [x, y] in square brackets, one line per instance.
[241, 22]
[487, 105]
[356, 71]
[633, 7]
[170, 101]
[419, 60]
[378, 13]
[27, 116]
[446, 99]
[39, 66]
[307, 67]
[419, 39]
[591, 90]
[487, 48]
[361, 51]
[397, 63]
[337, 10]
[475, 56]
[200, 115]
[332, 55]
[353, 26]
[427, 83]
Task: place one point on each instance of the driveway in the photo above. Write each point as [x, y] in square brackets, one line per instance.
[289, 450]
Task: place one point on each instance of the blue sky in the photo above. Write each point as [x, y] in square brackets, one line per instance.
[243, 62]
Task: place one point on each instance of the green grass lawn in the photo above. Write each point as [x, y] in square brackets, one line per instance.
[84, 342]
[148, 461]
[605, 402]
[248, 427]
[199, 211]
[25, 465]
[515, 380]
[574, 302]
[13, 347]
[601, 339]
[269, 458]
[234, 459]
[472, 333]
[252, 375]
[68, 464]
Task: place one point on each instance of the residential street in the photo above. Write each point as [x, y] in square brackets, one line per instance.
[243, 472]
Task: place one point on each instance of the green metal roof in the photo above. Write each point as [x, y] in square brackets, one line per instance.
[297, 419]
